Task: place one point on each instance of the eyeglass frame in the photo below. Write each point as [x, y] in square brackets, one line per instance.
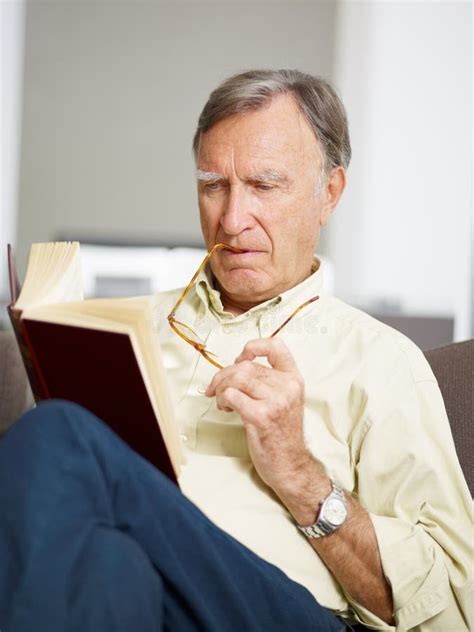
[200, 347]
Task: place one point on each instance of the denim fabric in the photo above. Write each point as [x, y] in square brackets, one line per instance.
[95, 539]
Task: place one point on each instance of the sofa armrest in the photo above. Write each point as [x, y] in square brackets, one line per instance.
[15, 395]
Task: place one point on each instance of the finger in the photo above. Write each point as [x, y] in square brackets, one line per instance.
[274, 349]
[246, 371]
[253, 384]
[217, 379]
[234, 400]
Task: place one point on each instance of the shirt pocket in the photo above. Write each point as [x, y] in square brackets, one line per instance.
[221, 433]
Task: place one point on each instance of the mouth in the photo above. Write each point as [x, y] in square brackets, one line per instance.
[243, 254]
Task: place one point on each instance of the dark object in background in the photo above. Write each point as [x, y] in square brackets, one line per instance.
[426, 332]
[453, 366]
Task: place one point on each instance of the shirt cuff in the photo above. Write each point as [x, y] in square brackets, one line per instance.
[414, 565]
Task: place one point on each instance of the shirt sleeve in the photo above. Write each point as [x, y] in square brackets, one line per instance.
[411, 483]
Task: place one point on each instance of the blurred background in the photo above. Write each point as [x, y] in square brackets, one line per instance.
[100, 100]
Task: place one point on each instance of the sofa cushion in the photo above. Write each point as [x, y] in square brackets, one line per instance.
[13, 382]
[453, 366]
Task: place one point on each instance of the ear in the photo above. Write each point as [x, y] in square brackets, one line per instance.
[333, 187]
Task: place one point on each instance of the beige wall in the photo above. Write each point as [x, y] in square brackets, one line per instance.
[112, 92]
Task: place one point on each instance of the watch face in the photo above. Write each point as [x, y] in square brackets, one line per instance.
[335, 511]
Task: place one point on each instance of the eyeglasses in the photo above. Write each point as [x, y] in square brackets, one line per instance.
[190, 336]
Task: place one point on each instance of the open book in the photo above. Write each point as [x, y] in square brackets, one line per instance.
[103, 354]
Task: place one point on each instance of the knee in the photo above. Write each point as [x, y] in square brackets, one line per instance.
[54, 411]
[57, 408]
[49, 418]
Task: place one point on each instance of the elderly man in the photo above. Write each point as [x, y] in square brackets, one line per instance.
[315, 435]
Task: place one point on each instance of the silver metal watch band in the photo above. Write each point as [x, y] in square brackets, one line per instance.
[320, 529]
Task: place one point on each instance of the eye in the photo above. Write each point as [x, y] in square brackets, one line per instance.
[264, 186]
[213, 186]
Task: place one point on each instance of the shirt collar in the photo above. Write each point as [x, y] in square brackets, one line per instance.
[210, 298]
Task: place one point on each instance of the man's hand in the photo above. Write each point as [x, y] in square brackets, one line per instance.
[270, 401]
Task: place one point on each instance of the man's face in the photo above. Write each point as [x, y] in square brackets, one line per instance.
[257, 177]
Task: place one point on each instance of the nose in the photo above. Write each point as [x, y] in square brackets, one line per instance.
[237, 215]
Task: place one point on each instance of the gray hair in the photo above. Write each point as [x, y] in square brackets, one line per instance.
[314, 96]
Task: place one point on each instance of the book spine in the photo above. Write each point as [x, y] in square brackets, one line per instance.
[33, 370]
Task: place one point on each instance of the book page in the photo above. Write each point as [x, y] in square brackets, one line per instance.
[54, 275]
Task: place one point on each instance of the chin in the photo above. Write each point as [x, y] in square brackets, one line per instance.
[245, 284]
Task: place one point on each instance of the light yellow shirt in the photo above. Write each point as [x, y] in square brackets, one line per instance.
[375, 418]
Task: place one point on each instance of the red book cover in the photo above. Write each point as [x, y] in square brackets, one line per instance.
[98, 370]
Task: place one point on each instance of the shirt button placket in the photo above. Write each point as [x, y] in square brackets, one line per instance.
[263, 326]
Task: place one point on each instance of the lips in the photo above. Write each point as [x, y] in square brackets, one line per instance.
[243, 249]
[245, 252]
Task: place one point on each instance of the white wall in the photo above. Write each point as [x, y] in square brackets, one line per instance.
[402, 232]
[11, 64]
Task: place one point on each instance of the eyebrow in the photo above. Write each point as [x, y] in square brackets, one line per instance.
[269, 175]
[208, 176]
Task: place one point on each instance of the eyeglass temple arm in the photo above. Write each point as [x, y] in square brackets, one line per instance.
[308, 302]
[198, 272]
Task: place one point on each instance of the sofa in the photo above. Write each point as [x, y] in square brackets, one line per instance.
[453, 366]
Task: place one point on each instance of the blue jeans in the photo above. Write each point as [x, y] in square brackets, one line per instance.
[94, 539]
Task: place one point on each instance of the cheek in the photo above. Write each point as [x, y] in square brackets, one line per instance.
[294, 221]
[295, 230]
[209, 221]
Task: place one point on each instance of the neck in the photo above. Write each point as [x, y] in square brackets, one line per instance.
[233, 306]
[231, 303]
[237, 306]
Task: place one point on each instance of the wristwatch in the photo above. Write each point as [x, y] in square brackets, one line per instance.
[332, 515]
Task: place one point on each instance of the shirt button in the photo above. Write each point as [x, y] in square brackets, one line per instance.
[202, 388]
[183, 438]
[227, 329]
